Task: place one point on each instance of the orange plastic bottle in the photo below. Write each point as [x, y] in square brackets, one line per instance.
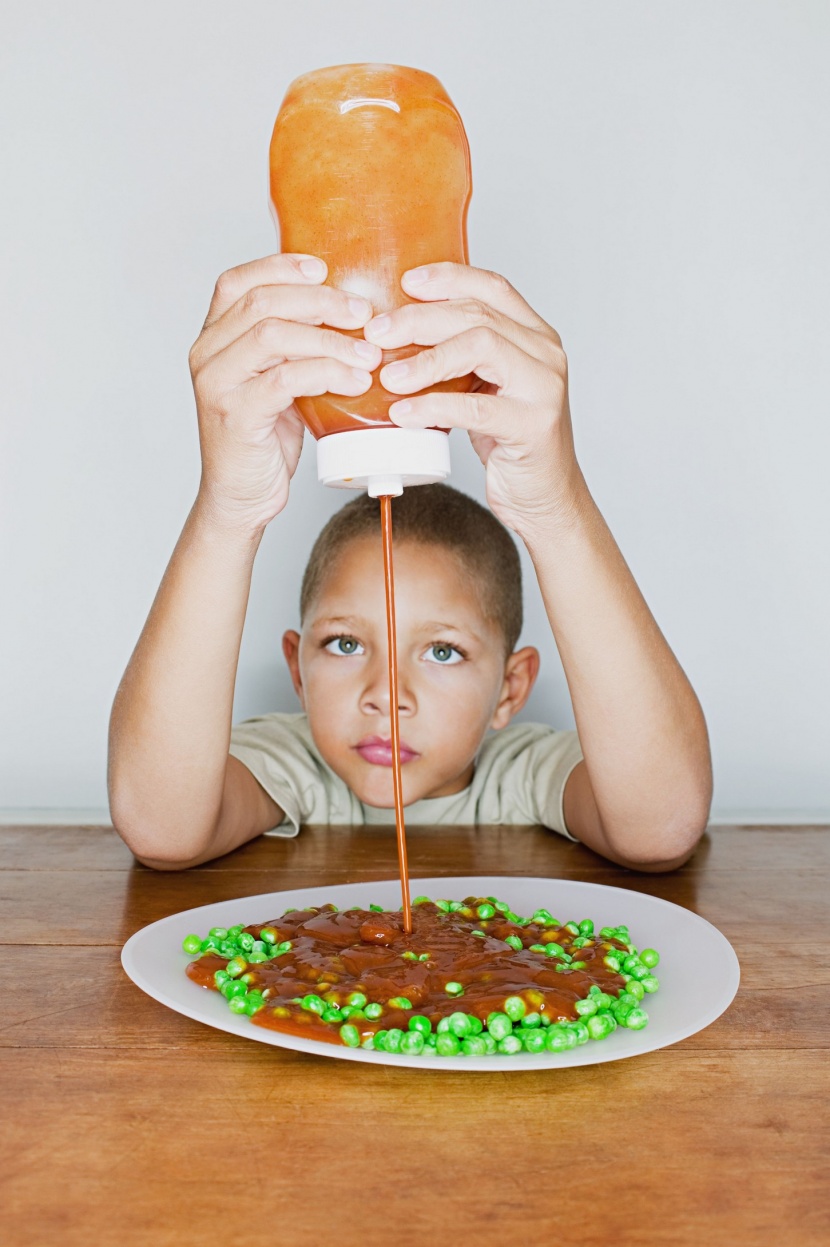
[370, 170]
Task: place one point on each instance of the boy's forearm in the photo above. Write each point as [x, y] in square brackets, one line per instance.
[640, 724]
[171, 720]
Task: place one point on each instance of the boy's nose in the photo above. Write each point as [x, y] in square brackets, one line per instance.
[375, 698]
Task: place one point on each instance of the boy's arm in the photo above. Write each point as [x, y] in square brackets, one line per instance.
[642, 795]
[176, 796]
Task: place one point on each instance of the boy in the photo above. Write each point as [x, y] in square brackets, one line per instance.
[640, 795]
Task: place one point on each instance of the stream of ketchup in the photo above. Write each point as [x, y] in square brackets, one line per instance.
[392, 651]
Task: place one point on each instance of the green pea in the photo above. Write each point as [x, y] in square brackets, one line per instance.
[600, 1025]
[235, 930]
[474, 1045]
[612, 962]
[236, 966]
[443, 1026]
[284, 947]
[510, 1045]
[218, 933]
[314, 1004]
[380, 1040]
[511, 917]
[542, 916]
[586, 927]
[556, 1039]
[635, 989]
[421, 900]
[603, 1000]
[534, 1041]
[399, 1002]
[332, 1015]
[421, 1024]
[424, 957]
[238, 1004]
[573, 927]
[515, 1008]
[486, 911]
[357, 999]
[227, 948]
[650, 983]
[192, 944]
[256, 959]
[220, 977]
[268, 935]
[581, 1032]
[501, 906]
[254, 1001]
[628, 999]
[373, 1010]
[368, 1043]
[499, 1025]
[555, 950]
[355, 1014]
[455, 906]
[514, 942]
[531, 1020]
[429, 1042]
[475, 1024]
[538, 948]
[639, 972]
[444, 906]
[481, 935]
[376, 909]
[447, 1044]
[578, 965]
[459, 1024]
[232, 987]
[630, 962]
[412, 1043]
[489, 1043]
[350, 1035]
[245, 941]
[409, 956]
[454, 989]
[393, 1039]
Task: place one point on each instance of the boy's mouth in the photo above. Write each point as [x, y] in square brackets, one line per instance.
[376, 750]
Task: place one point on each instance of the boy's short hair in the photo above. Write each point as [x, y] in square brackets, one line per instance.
[434, 515]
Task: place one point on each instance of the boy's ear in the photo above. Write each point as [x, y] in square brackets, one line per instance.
[520, 672]
[291, 650]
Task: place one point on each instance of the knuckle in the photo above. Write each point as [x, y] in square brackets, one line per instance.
[265, 331]
[256, 302]
[335, 344]
[476, 311]
[501, 283]
[226, 286]
[484, 339]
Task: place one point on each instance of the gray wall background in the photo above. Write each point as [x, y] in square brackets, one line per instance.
[652, 176]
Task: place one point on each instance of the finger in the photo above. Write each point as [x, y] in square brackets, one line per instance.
[270, 341]
[426, 324]
[275, 389]
[446, 280]
[289, 268]
[488, 419]
[311, 305]
[482, 351]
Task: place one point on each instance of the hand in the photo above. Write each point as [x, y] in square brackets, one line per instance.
[259, 349]
[517, 415]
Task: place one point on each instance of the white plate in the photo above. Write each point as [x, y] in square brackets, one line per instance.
[698, 969]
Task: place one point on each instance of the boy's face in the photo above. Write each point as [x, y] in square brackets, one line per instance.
[453, 679]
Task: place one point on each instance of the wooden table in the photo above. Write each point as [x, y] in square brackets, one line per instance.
[124, 1123]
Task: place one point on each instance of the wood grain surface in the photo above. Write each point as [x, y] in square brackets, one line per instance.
[125, 1123]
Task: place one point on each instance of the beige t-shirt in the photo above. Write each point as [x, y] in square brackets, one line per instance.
[519, 778]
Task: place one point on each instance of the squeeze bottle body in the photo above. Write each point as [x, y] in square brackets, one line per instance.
[370, 170]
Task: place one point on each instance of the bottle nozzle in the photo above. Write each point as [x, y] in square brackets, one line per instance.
[388, 485]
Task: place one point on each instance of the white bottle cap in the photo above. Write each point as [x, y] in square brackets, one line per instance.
[383, 461]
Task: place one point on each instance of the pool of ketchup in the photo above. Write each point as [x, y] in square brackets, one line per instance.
[359, 950]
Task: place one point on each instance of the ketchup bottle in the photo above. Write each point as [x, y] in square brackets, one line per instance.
[370, 170]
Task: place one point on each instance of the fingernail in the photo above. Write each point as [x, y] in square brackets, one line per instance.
[396, 372]
[416, 276]
[315, 269]
[359, 307]
[365, 378]
[400, 409]
[365, 349]
[379, 326]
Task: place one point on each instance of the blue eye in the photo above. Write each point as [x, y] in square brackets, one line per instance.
[344, 646]
[446, 655]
